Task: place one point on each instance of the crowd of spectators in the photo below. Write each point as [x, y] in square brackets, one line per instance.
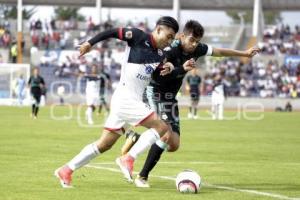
[256, 79]
[68, 34]
[6, 37]
[281, 40]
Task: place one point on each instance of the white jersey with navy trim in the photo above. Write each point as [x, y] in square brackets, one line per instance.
[141, 59]
[219, 89]
[92, 84]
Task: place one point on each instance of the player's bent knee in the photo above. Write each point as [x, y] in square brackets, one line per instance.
[104, 147]
[161, 128]
[173, 147]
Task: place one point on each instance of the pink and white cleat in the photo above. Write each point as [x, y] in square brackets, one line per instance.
[64, 174]
[126, 165]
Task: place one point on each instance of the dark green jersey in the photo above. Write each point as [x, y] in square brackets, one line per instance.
[36, 82]
[171, 83]
[194, 82]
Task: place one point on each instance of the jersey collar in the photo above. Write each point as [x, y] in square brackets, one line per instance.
[153, 41]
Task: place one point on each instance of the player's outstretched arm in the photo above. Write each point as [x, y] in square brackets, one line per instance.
[221, 52]
[125, 34]
[87, 46]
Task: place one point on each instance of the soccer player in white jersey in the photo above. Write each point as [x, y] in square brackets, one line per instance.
[92, 94]
[143, 55]
[217, 98]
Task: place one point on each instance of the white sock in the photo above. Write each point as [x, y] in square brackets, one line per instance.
[88, 153]
[220, 111]
[161, 144]
[146, 140]
[89, 113]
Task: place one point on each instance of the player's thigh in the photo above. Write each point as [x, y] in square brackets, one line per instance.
[102, 100]
[92, 101]
[170, 114]
[195, 99]
[138, 113]
[153, 121]
[107, 140]
[37, 98]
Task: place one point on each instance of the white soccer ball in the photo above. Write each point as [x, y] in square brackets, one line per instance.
[188, 181]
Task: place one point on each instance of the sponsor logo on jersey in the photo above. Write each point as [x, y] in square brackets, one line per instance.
[143, 77]
[149, 69]
[164, 116]
[160, 52]
[167, 49]
[147, 43]
[128, 34]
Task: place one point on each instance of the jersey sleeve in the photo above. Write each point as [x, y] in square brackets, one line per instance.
[130, 35]
[42, 81]
[170, 53]
[107, 76]
[29, 81]
[203, 50]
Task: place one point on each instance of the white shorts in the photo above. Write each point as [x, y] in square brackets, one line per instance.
[126, 112]
[217, 99]
[92, 99]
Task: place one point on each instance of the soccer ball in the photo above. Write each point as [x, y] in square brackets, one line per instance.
[188, 181]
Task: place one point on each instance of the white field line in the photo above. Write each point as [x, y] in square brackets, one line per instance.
[169, 162]
[275, 196]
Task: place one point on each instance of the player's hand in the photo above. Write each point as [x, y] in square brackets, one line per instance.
[252, 52]
[189, 65]
[84, 48]
[167, 69]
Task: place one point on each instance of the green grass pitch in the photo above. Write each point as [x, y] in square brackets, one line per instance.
[237, 159]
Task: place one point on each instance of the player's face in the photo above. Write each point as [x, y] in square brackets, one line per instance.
[194, 71]
[189, 42]
[36, 72]
[164, 36]
[218, 77]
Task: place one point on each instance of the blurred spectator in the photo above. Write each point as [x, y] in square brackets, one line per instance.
[14, 52]
[90, 25]
[281, 40]
[256, 79]
[288, 108]
[6, 38]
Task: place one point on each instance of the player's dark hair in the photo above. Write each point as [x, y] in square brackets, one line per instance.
[169, 22]
[195, 28]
